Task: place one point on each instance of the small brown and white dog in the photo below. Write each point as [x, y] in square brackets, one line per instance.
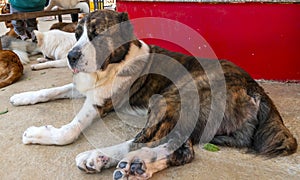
[6, 10]
[11, 68]
[182, 97]
[54, 45]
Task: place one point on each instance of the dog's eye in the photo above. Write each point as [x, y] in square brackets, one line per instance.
[93, 34]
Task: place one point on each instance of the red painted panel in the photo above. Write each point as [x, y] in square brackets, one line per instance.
[264, 39]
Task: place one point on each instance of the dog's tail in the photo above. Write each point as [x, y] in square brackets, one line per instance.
[272, 138]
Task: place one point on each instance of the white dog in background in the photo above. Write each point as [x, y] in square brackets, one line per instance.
[54, 45]
[68, 4]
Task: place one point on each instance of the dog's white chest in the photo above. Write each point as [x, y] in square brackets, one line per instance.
[84, 81]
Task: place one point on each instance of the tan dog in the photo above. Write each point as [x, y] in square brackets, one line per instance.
[11, 68]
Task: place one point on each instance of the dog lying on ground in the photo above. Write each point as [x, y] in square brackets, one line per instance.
[180, 95]
[23, 49]
[63, 26]
[11, 68]
[54, 45]
[6, 10]
[68, 4]
[11, 31]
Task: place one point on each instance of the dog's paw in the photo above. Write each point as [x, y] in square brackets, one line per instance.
[41, 135]
[141, 164]
[25, 98]
[92, 161]
[41, 60]
[134, 168]
[35, 67]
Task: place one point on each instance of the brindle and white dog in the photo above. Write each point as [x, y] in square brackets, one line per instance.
[113, 69]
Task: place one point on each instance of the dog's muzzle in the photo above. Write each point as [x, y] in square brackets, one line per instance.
[73, 57]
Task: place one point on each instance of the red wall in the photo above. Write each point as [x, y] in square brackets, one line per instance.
[264, 39]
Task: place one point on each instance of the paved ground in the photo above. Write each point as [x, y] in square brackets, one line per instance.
[20, 161]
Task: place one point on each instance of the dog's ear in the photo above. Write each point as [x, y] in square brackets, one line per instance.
[123, 17]
[39, 36]
[126, 27]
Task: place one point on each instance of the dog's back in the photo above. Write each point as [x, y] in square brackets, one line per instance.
[63, 26]
[67, 4]
[55, 44]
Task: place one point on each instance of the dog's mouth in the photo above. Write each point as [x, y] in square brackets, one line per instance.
[75, 70]
[73, 57]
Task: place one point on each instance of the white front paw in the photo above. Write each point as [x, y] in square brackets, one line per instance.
[92, 161]
[25, 98]
[40, 135]
[37, 66]
[41, 60]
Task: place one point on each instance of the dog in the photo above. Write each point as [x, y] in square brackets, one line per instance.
[11, 31]
[181, 96]
[68, 4]
[24, 49]
[54, 45]
[11, 68]
[6, 10]
[63, 26]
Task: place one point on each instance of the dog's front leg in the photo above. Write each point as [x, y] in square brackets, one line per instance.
[60, 63]
[139, 164]
[49, 135]
[44, 95]
[95, 160]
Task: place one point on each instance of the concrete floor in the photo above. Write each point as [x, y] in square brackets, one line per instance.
[20, 161]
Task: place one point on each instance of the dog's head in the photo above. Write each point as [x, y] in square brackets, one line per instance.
[5, 9]
[40, 37]
[103, 37]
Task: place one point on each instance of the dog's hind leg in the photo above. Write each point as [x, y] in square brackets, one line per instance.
[50, 64]
[165, 138]
[44, 95]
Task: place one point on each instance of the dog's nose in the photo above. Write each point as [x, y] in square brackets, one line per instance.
[74, 55]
